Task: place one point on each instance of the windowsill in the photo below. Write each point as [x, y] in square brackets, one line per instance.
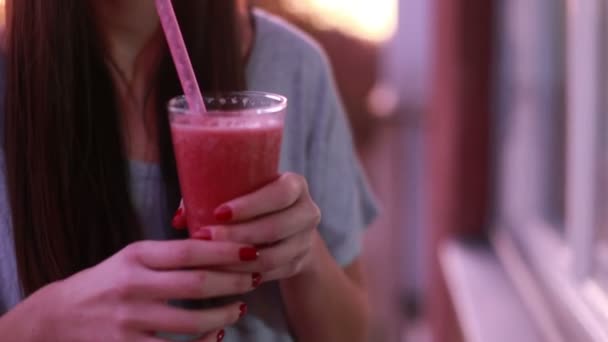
[486, 302]
[570, 306]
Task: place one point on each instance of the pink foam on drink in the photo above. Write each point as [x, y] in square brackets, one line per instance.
[221, 159]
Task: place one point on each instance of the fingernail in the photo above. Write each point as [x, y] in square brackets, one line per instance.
[223, 213]
[248, 254]
[256, 280]
[203, 234]
[220, 335]
[179, 219]
[243, 309]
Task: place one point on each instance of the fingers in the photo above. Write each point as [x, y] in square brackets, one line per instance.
[303, 216]
[180, 254]
[282, 259]
[286, 271]
[168, 319]
[195, 284]
[276, 196]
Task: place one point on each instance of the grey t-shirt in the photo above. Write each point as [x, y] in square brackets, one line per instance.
[317, 144]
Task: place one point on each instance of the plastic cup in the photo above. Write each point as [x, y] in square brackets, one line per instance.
[230, 151]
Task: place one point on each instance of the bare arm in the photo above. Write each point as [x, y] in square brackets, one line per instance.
[325, 303]
[124, 298]
[328, 303]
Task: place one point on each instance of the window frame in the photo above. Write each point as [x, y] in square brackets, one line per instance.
[600, 271]
[583, 135]
[587, 68]
[567, 271]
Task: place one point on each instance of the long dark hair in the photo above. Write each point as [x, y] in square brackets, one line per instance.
[66, 167]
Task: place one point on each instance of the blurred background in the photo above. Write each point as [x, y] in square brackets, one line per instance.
[482, 125]
[381, 56]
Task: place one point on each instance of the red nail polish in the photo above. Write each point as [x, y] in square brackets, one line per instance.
[223, 213]
[256, 280]
[220, 335]
[203, 234]
[179, 219]
[243, 309]
[248, 254]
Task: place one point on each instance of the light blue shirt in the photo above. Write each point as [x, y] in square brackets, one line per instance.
[317, 144]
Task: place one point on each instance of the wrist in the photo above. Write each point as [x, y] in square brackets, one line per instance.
[23, 323]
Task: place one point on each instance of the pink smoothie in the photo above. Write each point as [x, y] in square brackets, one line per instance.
[220, 159]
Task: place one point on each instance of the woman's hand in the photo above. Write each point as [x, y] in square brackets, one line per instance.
[281, 219]
[125, 297]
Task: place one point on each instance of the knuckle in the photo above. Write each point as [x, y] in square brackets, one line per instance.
[316, 214]
[124, 317]
[228, 235]
[134, 250]
[303, 183]
[201, 277]
[197, 287]
[294, 183]
[125, 286]
[243, 283]
[267, 264]
[273, 233]
[183, 254]
[227, 252]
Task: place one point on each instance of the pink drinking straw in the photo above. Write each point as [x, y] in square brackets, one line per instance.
[175, 40]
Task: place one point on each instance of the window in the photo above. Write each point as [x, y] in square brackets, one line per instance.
[552, 161]
[602, 188]
[530, 107]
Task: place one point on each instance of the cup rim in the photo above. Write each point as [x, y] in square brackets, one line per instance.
[179, 105]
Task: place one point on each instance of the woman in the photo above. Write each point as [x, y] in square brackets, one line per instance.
[89, 176]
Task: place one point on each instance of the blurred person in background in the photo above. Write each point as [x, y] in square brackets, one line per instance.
[88, 173]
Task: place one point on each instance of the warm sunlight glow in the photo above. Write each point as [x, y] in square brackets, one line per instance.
[2, 12]
[371, 20]
[375, 21]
